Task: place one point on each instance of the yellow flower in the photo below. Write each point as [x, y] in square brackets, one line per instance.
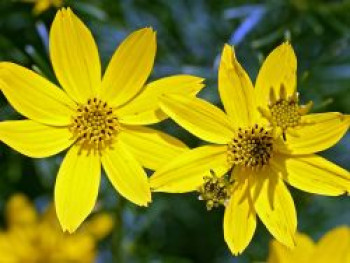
[260, 160]
[100, 120]
[34, 238]
[333, 247]
[42, 5]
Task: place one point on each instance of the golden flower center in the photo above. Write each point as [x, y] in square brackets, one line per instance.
[285, 113]
[251, 147]
[95, 125]
[215, 191]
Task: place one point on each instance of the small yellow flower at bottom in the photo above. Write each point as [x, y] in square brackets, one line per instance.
[333, 247]
[259, 159]
[31, 237]
[100, 119]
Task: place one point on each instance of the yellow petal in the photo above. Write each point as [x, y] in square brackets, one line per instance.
[185, 172]
[279, 68]
[320, 132]
[240, 218]
[333, 247]
[129, 67]
[236, 90]
[274, 205]
[34, 139]
[302, 253]
[76, 189]
[35, 97]
[74, 56]
[199, 117]
[313, 174]
[144, 109]
[126, 174]
[150, 147]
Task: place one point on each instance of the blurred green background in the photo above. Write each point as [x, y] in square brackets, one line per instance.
[191, 34]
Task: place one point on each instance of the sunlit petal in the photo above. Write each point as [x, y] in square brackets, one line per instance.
[129, 67]
[126, 174]
[35, 97]
[74, 56]
[76, 187]
[185, 172]
[150, 147]
[319, 132]
[199, 117]
[313, 174]
[240, 217]
[274, 205]
[144, 109]
[279, 68]
[34, 139]
[236, 90]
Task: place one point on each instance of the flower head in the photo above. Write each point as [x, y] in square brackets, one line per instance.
[98, 118]
[32, 237]
[276, 88]
[332, 247]
[246, 143]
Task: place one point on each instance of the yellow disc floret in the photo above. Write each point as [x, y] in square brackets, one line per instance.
[95, 125]
[215, 190]
[251, 147]
[284, 112]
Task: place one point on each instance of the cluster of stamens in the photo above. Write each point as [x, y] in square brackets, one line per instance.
[215, 191]
[284, 112]
[94, 126]
[251, 147]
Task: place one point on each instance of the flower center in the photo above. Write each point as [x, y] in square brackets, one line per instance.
[251, 147]
[95, 125]
[215, 191]
[284, 112]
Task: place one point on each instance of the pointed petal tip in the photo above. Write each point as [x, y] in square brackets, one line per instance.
[290, 243]
[71, 230]
[148, 30]
[236, 250]
[287, 46]
[64, 13]
[66, 228]
[64, 9]
[228, 46]
[149, 198]
[229, 50]
[196, 79]
[145, 203]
